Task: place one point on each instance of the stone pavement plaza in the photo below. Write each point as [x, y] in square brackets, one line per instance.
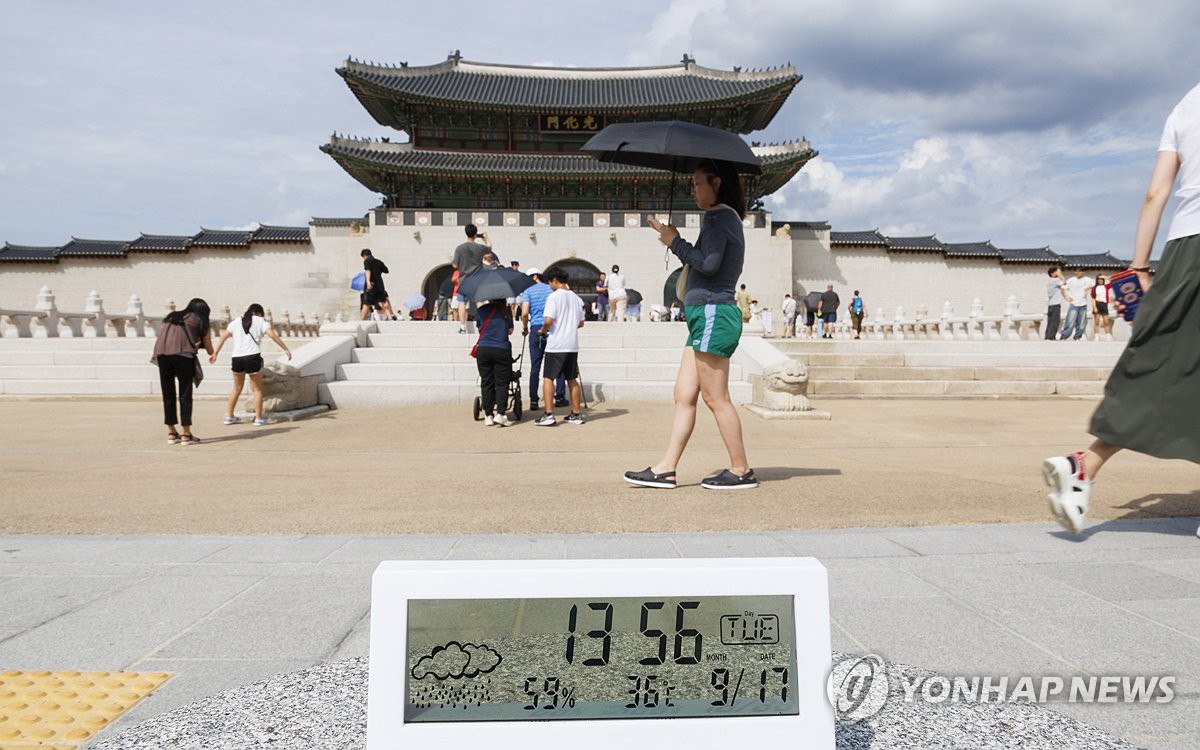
[251, 554]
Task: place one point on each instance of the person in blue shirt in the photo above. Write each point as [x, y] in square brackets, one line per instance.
[533, 304]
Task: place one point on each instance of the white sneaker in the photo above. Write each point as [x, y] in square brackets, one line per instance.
[1070, 491]
[233, 419]
[488, 421]
[502, 420]
[546, 420]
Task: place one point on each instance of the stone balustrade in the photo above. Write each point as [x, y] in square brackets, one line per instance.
[46, 320]
[975, 325]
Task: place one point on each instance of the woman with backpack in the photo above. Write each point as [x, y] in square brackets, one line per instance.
[247, 335]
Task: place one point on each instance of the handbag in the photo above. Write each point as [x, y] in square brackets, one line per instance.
[198, 376]
[475, 349]
[681, 282]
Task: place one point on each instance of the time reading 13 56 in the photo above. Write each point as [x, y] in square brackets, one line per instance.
[600, 658]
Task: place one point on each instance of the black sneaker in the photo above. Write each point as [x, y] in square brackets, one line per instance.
[574, 419]
[727, 480]
[647, 478]
[533, 405]
[560, 402]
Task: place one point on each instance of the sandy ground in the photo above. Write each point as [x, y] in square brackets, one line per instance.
[103, 467]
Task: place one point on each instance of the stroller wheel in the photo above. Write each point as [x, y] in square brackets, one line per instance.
[478, 408]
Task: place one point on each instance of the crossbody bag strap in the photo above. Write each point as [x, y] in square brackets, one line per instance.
[486, 320]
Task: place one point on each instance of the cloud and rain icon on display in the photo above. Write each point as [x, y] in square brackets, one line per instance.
[456, 661]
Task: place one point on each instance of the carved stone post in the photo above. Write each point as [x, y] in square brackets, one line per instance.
[48, 323]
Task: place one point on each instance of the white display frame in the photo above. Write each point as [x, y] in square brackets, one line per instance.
[395, 582]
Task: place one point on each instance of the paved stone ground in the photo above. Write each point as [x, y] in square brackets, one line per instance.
[250, 555]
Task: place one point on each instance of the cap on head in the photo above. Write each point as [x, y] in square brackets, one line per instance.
[535, 271]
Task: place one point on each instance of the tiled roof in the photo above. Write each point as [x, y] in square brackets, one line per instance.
[222, 238]
[280, 234]
[338, 222]
[1041, 255]
[93, 248]
[1096, 261]
[161, 243]
[971, 250]
[369, 161]
[930, 244]
[28, 253]
[460, 84]
[869, 237]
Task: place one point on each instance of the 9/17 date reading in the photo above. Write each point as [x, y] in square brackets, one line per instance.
[653, 691]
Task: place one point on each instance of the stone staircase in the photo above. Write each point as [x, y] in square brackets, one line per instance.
[428, 362]
[958, 369]
[108, 366]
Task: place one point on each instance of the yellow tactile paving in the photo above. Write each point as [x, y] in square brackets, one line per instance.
[62, 710]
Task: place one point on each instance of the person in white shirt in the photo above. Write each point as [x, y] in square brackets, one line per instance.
[789, 317]
[616, 295]
[247, 335]
[1079, 299]
[562, 318]
[1150, 403]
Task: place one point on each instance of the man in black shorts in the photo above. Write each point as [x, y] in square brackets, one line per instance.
[830, 301]
[562, 318]
[374, 295]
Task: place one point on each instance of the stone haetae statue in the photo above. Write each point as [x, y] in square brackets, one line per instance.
[785, 387]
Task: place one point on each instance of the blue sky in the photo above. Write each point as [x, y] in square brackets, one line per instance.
[1026, 123]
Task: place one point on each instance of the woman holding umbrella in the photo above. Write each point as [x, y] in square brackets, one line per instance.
[713, 265]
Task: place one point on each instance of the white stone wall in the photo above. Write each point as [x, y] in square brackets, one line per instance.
[315, 278]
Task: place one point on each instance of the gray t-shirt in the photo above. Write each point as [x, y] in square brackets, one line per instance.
[468, 258]
[716, 258]
[1054, 292]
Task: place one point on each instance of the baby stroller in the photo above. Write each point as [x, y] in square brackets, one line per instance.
[514, 389]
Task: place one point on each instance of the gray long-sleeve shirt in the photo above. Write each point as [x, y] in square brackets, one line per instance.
[716, 259]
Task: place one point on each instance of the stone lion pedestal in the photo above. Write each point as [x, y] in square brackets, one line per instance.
[781, 392]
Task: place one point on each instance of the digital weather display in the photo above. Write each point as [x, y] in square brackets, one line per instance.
[600, 658]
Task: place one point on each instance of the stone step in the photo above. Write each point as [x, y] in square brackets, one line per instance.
[360, 393]
[374, 355]
[903, 388]
[960, 373]
[468, 372]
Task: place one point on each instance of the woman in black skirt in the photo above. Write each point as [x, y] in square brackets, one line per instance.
[1152, 399]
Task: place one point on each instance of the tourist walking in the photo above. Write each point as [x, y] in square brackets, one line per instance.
[602, 297]
[561, 320]
[468, 259]
[533, 307]
[182, 334]
[375, 296]
[714, 325]
[828, 310]
[617, 295]
[493, 357]
[788, 308]
[742, 299]
[1150, 401]
[858, 310]
[246, 360]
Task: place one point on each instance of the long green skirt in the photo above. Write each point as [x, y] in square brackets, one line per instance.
[1152, 399]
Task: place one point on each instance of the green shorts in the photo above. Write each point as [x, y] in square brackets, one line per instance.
[714, 329]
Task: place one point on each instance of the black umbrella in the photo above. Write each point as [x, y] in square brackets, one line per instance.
[487, 284]
[675, 146]
[633, 297]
